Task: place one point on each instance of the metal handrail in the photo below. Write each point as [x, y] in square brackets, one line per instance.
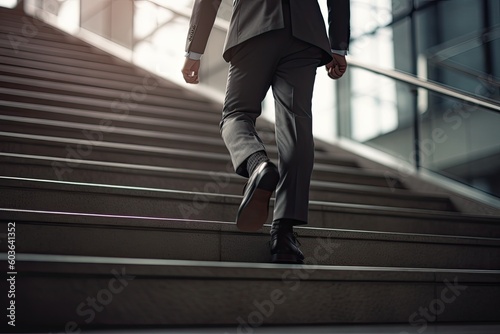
[429, 85]
[462, 70]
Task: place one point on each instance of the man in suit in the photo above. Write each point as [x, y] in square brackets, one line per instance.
[278, 44]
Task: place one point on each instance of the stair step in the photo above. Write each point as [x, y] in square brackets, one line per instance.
[160, 137]
[63, 41]
[16, 39]
[64, 233]
[354, 176]
[165, 157]
[53, 49]
[51, 59]
[114, 96]
[76, 130]
[87, 198]
[23, 32]
[193, 180]
[371, 195]
[113, 152]
[96, 104]
[51, 44]
[167, 292]
[14, 44]
[87, 73]
[30, 73]
[164, 124]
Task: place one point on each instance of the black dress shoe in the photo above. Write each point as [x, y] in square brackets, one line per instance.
[284, 248]
[254, 208]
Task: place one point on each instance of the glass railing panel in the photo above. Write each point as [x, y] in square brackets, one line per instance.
[470, 66]
[461, 141]
[456, 139]
[380, 113]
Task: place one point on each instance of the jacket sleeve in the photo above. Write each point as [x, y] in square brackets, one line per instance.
[339, 30]
[201, 24]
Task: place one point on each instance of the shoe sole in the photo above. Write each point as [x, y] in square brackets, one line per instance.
[254, 214]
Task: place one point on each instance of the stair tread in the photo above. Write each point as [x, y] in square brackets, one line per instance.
[102, 104]
[32, 73]
[89, 116]
[54, 59]
[56, 49]
[48, 37]
[207, 156]
[180, 239]
[85, 117]
[130, 134]
[206, 269]
[88, 73]
[207, 176]
[221, 198]
[213, 294]
[199, 226]
[103, 93]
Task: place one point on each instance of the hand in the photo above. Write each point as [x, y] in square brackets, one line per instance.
[337, 67]
[190, 71]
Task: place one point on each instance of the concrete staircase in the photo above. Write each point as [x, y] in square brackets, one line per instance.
[123, 200]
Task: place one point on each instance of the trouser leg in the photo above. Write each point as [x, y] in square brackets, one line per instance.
[275, 58]
[250, 76]
[293, 85]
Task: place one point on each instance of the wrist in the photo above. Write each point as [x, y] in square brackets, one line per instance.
[193, 55]
[340, 52]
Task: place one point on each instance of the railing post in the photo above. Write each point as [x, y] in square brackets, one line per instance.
[416, 120]
[416, 129]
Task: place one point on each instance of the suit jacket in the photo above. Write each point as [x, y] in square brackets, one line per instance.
[251, 18]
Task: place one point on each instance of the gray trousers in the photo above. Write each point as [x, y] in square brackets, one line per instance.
[274, 59]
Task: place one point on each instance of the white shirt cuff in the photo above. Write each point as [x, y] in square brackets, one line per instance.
[340, 52]
[194, 55]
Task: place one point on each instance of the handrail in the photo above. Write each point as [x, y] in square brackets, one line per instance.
[461, 69]
[429, 85]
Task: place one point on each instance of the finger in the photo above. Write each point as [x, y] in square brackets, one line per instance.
[334, 73]
[191, 80]
[330, 65]
[190, 76]
[337, 71]
[186, 76]
[337, 75]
